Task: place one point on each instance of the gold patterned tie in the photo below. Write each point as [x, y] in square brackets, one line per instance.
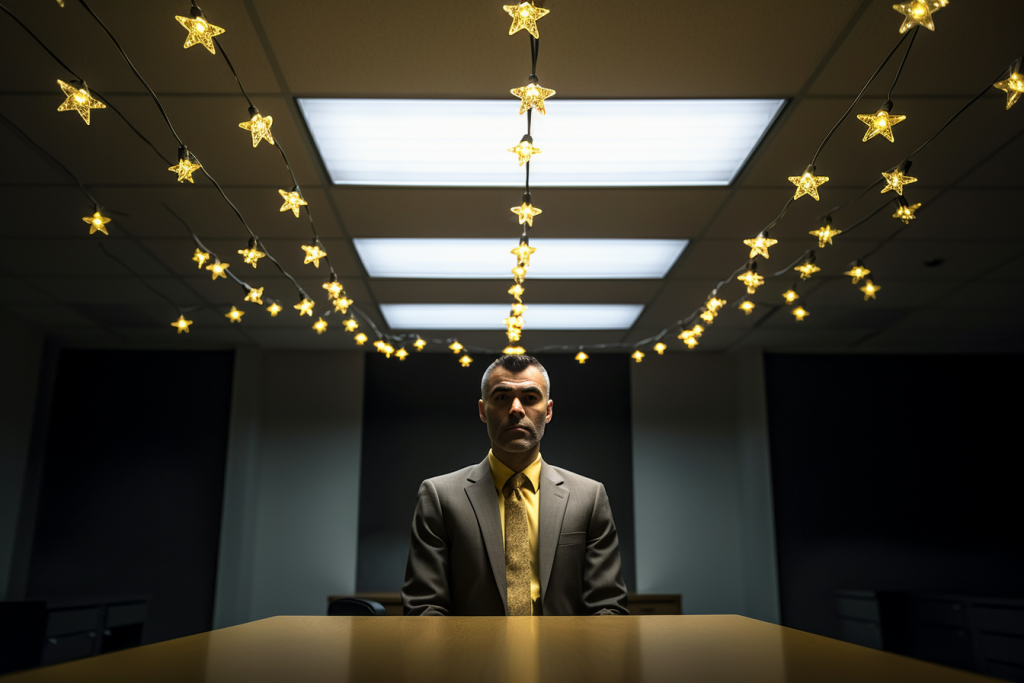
[517, 549]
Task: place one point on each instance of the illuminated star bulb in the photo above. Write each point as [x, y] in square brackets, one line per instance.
[525, 16]
[824, 234]
[320, 325]
[759, 245]
[419, 344]
[465, 361]
[200, 32]
[333, 287]
[518, 274]
[857, 271]
[292, 201]
[341, 304]
[895, 180]
[259, 127]
[252, 253]
[880, 123]
[383, 347]
[517, 290]
[79, 100]
[519, 309]
[660, 348]
[800, 313]
[234, 315]
[697, 330]
[186, 167]
[638, 356]
[217, 269]
[747, 307]
[98, 221]
[869, 290]
[790, 296]
[305, 307]
[200, 257]
[919, 13]
[401, 354]
[582, 357]
[690, 340]
[524, 251]
[455, 346]
[708, 316]
[273, 309]
[751, 279]
[513, 350]
[526, 212]
[808, 183]
[181, 324]
[532, 97]
[351, 325]
[905, 211]
[525, 149]
[1013, 86]
[807, 269]
[255, 295]
[360, 339]
[714, 304]
[313, 254]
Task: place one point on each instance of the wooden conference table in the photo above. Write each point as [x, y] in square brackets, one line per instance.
[700, 649]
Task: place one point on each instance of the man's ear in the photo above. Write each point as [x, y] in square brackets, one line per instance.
[483, 415]
[547, 418]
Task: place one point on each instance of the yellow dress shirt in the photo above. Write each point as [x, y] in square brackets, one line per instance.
[501, 473]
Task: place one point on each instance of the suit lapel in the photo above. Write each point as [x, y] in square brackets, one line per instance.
[553, 499]
[484, 499]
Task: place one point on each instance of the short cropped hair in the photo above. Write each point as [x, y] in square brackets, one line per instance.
[514, 363]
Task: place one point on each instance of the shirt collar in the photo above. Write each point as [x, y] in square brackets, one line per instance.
[501, 473]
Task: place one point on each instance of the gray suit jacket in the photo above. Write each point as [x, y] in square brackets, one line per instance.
[457, 555]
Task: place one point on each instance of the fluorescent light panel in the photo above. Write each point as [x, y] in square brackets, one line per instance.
[585, 143]
[556, 259]
[489, 316]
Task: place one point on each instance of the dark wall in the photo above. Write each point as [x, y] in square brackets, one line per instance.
[132, 483]
[894, 473]
[420, 420]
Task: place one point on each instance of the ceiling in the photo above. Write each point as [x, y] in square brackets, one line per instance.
[54, 275]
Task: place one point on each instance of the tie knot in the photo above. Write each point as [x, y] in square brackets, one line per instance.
[516, 481]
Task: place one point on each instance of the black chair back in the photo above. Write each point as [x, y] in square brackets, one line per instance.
[355, 607]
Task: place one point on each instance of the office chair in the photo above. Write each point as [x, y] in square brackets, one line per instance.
[355, 607]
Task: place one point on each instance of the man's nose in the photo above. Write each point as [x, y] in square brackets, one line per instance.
[517, 407]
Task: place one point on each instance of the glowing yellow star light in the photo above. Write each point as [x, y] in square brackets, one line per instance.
[419, 344]
[255, 295]
[513, 350]
[185, 167]
[869, 290]
[807, 269]
[200, 32]
[582, 357]
[252, 253]
[638, 356]
[759, 245]
[320, 326]
[824, 234]
[857, 271]
[919, 13]
[518, 274]
[465, 361]
[525, 149]
[523, 252]
[880, 123]
[79, 100]
[384, 347]
[660, 348]
[905, 211]
[895, 180]
[360, 339]
[808, 183]
[341, 304]
[517, 290]
[526, 213]
[697, 330]
[1012, 86]
[525, 16]
[401, 354]
[234, 315]
[273, 309]
[333, 287]
[98, 221]
[714, 304]
[259, 126]
[708, 316]
[313, 254]
[800, 313]
[747, 307]
[292, 200]
[200, 257]
[181, 324]
[455, 346]
[305, 307]
[751, 279]
[532, 97]
[790, 296]
[351, 325]
[217, 269]
[689, 338]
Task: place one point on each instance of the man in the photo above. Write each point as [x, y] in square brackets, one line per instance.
[513, 535]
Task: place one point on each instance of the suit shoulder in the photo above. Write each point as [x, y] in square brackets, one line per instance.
[445, 482]
[577, 481]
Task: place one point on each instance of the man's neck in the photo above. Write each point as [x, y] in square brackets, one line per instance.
[517, 462]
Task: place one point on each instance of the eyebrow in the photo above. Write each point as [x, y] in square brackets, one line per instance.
[505, 390]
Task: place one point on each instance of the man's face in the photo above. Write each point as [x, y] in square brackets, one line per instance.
[516, 409]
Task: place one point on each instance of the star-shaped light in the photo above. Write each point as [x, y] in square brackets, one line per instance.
[857, 271]
[869, 290]
[97, 221]
[525, 16]
[292, 200]
[714, 304]
[660, 348]
[465, 361]
[259, 126]
[747, 307]
[582, 357]
[384, 347]
[708, 316]
[273, 309]
[360, 338]
[1013, 86]
[252, 253]
[79, 100]
[217, 269]
[200, 257]
[808, 184]
[697, 330]
[181, 324]
[333, 287]
[185, 169]
[351, 325]
[880, 123]
[806, 270]
[342, 303]
[518, 274]
[751, 279]
[524, 150]
[516, 290]
[524, 251]
[313, 254]
[690, 341]
[320, 326]
[455, 346]
[513, 350]
[800, 313]
[401, 354]
[234, 315]
[638, 356]
[905, 211]
[526, 213]
[896, 180]
[305, 307]
[200, 32]
[790, 296]
[255, 295]
[919, 13]
[419, 344]
[514, 334]
[532, 96]
[759, 245]
[824, 234]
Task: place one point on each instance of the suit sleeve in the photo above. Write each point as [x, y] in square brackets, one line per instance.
[604, 591]
[426, 590]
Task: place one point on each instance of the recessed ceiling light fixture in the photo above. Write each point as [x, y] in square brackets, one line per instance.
[489, 316]
[591, 143]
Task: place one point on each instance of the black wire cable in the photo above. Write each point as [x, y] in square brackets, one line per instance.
[195, 238]
[906, 54]
[224, 53]
[41, 44]
[140, 279]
